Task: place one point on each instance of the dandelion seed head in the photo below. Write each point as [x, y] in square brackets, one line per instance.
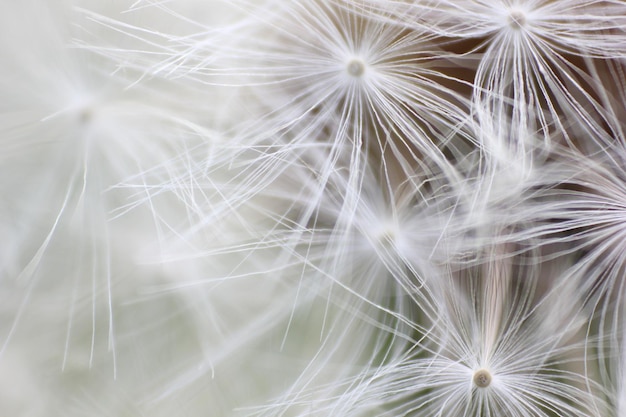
[85, 116]
[482, 378]
[388, 235]
[517, 19]
[385, 238]
[356, 67]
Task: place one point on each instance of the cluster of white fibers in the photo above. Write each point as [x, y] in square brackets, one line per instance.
[313, 208]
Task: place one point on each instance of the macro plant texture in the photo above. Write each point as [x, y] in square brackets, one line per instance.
[313, 208]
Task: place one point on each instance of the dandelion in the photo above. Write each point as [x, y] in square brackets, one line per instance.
[536, 60]
[319, 74]
[69, 134]
[491, 353]
[313, 207]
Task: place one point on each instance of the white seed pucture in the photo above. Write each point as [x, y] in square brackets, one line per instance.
[517, 19]
[355, 67]
[85, 116]
[482, 378]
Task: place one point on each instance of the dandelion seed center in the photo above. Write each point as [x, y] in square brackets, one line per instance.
[482, 378]
[517, 19]
[85, 116]
[356, 68]
[386, 238]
